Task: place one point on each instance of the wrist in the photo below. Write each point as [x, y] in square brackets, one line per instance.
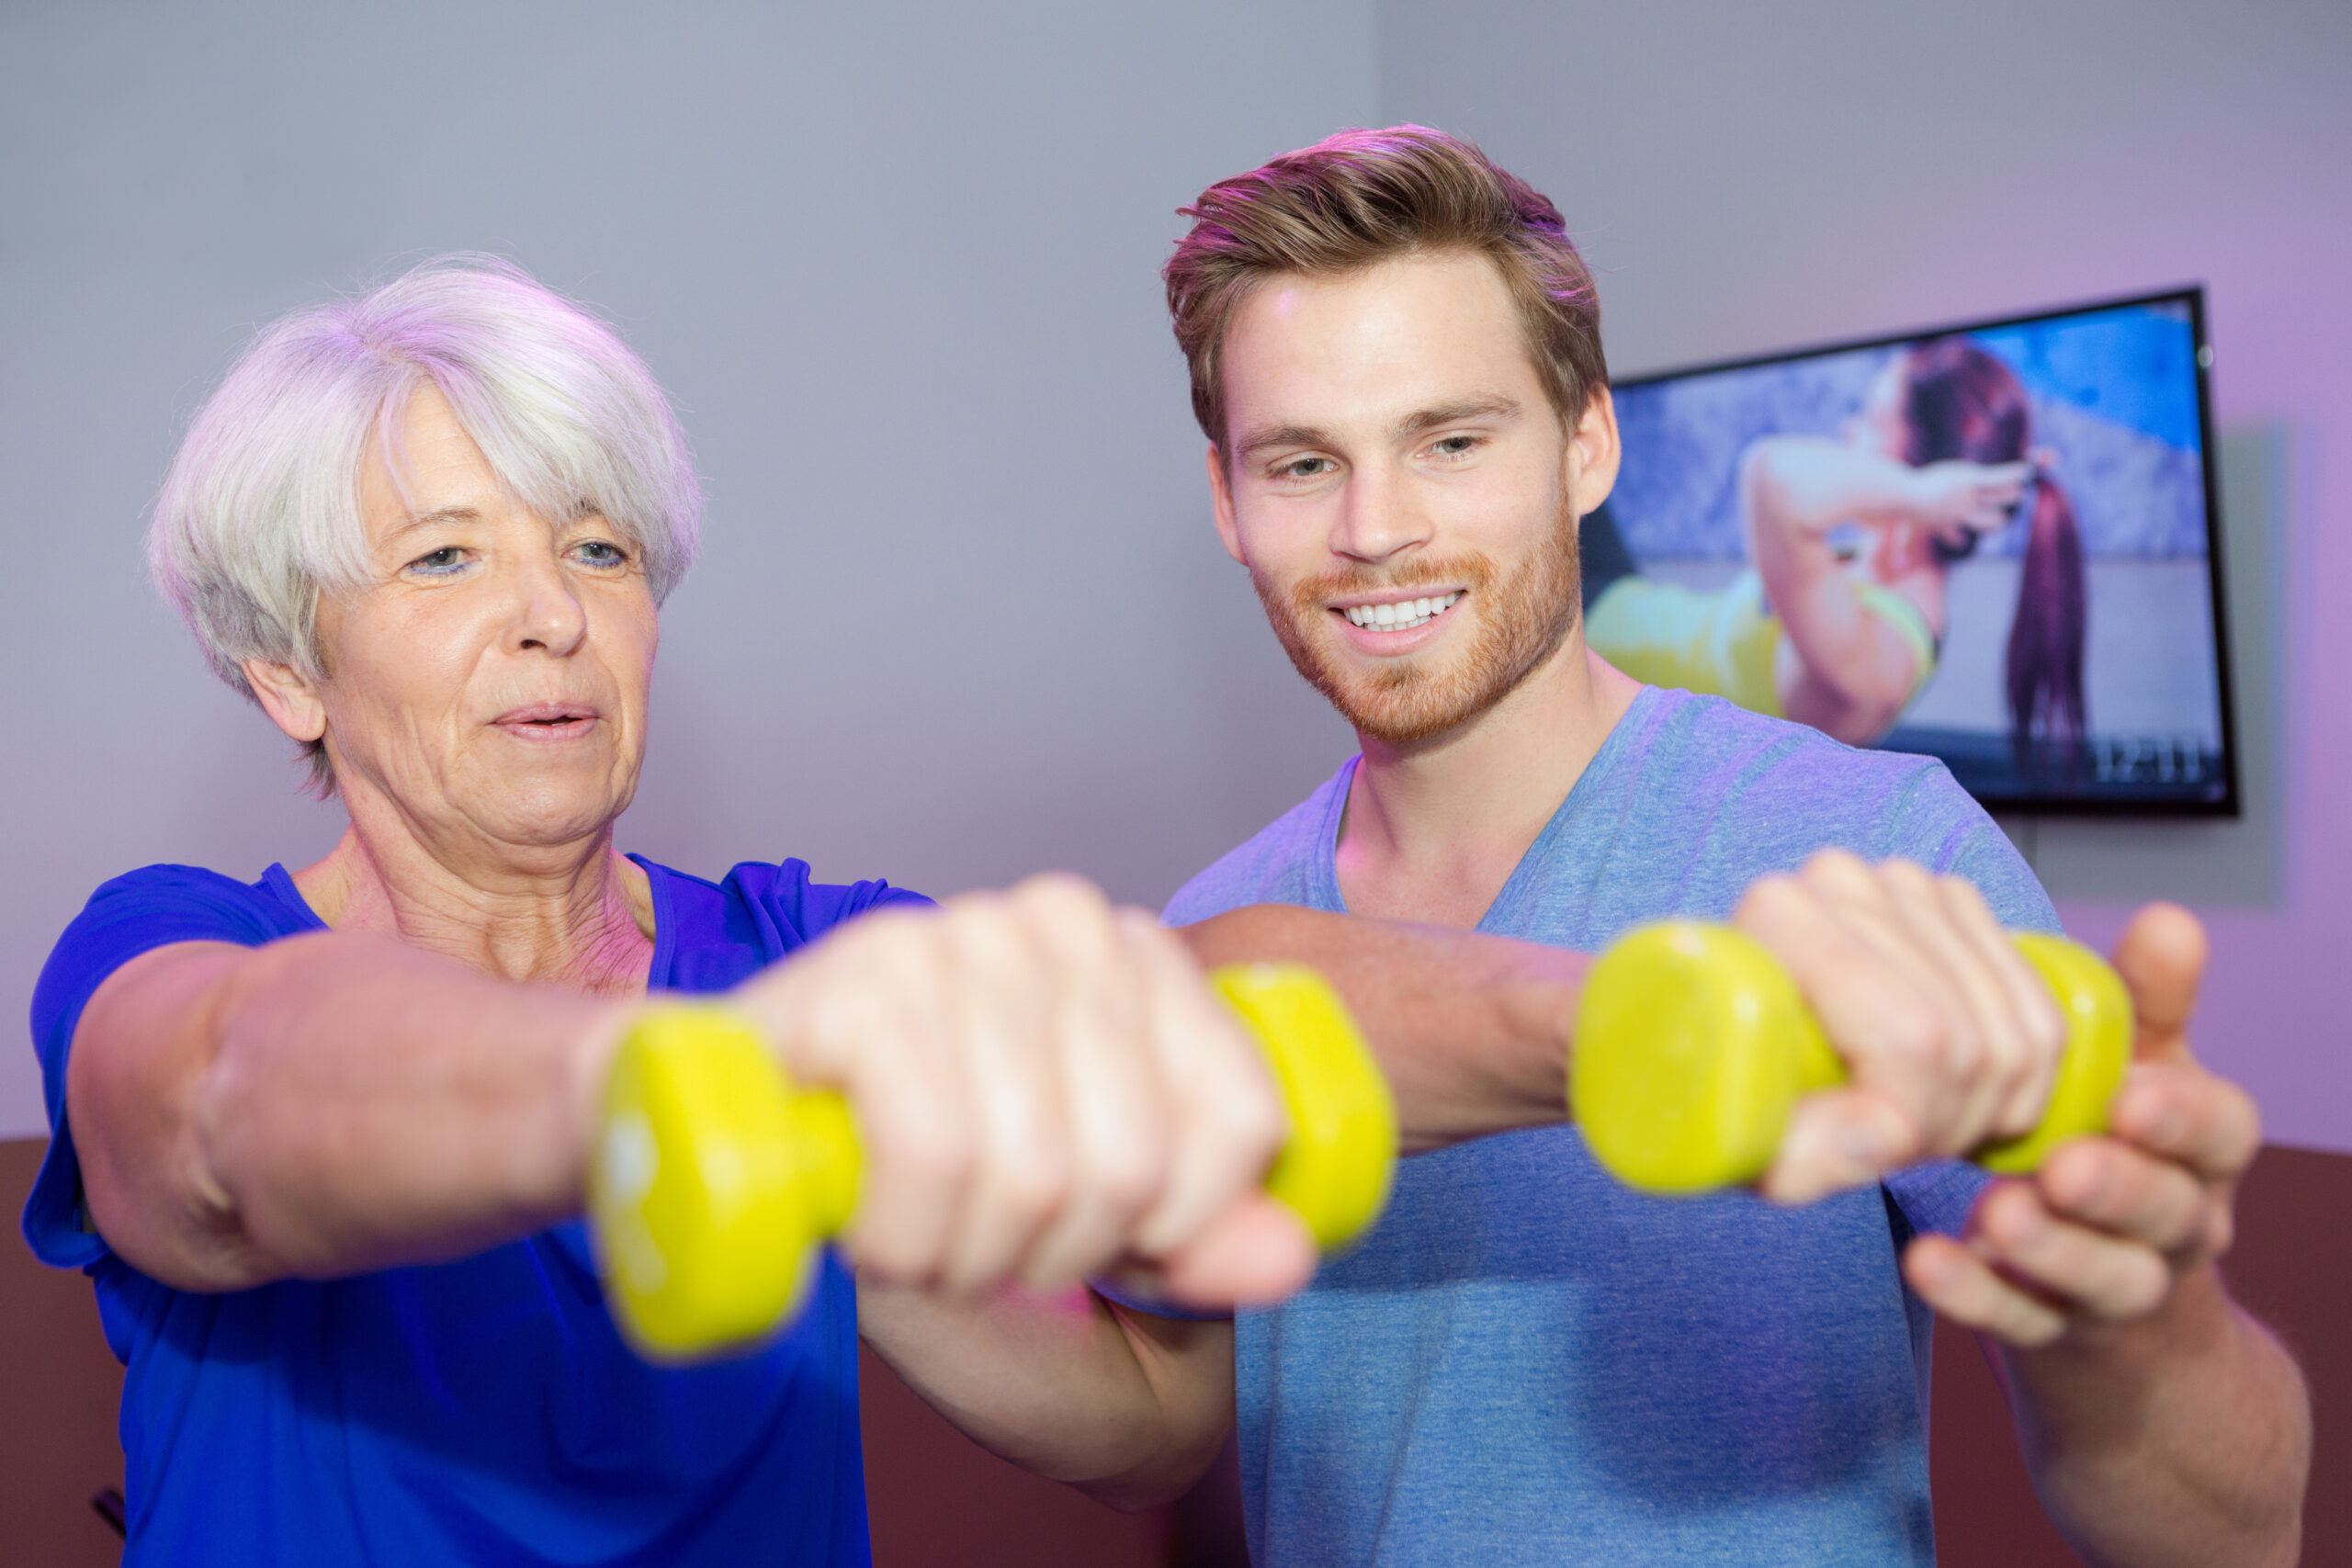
[2196, 1318]
[585, 1063]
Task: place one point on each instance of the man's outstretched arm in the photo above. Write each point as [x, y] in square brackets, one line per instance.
[1473, 1030]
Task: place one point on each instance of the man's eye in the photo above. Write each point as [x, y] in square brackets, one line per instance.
[1305, 468]
[1454, 446]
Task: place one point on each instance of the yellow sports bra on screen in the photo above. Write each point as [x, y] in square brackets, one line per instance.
[1727, 641]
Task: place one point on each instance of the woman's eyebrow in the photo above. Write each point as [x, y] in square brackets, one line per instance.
[435, 517]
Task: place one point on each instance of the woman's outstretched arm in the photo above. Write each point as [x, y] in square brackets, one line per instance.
[325, 1105]
[1852, 672]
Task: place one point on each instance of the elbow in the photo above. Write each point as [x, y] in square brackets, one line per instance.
[1147, 1487]
[1763, 483]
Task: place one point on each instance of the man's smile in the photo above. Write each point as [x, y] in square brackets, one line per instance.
[1402, 614]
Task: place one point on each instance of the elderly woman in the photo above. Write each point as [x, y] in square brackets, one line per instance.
[318, 1137]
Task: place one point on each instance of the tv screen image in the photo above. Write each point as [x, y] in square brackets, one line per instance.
[1995, 544]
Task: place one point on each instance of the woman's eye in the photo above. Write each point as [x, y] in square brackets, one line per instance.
[599, 552]
[440, 562]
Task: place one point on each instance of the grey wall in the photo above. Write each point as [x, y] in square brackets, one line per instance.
[962, 613]
[1746, 177]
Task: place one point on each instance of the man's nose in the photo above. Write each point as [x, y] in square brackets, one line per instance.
[1377, 518]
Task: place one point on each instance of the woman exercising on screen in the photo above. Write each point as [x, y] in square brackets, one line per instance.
[1940, 454]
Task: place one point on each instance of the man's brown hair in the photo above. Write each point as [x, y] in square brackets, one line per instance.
[1363, 197]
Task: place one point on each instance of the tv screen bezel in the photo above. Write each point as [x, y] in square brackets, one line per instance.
[2229, 805]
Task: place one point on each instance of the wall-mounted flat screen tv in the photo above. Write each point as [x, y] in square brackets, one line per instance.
[1994, 543]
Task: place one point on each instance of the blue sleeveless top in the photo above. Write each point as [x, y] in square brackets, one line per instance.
[483, 1411]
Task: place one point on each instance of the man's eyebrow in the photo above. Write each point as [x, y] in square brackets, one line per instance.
[1463, 410]
[1269, 437]
[1495, 406]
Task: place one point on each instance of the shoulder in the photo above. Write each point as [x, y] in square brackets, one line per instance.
[154, 907]
[151, 907]
[1782, 791]
[804, 907]
[710, 935]
[1276, 866]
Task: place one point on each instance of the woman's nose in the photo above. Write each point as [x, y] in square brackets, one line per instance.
[548, 615]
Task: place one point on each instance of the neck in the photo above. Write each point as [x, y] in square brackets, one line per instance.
[578, 915]
[1434, 827]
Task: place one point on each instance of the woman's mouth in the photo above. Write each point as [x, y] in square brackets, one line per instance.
[546, 721]
[1403, 615]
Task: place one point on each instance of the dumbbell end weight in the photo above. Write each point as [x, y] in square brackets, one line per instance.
[713, 1183]
[1335, 1170]
[1693, 1047]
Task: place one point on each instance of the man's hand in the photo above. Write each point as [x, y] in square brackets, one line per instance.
[1044, 1086]
[2108, 1226]
[1949, 1036]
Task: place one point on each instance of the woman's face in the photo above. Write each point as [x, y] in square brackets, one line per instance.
[489, 685]
[1878, 426]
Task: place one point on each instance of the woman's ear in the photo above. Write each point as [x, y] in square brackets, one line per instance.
[1593, 454]
[289, 697]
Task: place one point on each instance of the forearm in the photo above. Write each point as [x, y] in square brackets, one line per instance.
[1128, 1409]
[341, 1103]
[2181, 1438]
[1474, 1031]
[1802, 486]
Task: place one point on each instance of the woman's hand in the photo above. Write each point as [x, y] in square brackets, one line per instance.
[1977, 497]
[1044, 1088]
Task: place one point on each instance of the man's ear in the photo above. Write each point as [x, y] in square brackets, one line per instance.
[1221, 496]
[1593, 454]
[289, 697]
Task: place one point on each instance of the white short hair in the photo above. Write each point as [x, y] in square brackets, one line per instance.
[261, 511]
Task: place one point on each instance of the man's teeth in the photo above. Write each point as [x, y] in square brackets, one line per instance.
[1401, 616]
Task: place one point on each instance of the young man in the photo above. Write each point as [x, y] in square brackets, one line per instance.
[1396, 357]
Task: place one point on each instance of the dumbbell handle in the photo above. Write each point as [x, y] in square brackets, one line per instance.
[715, 1181]
[1693, 1046]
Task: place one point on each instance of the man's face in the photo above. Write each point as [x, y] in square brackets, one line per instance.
[1403, 493]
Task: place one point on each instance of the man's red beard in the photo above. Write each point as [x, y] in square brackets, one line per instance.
[1523, 619]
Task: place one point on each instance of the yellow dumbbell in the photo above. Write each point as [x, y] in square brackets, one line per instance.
[715, 1181]
[1693, 1046]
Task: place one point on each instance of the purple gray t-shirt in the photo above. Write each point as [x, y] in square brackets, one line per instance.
[1525, 1362]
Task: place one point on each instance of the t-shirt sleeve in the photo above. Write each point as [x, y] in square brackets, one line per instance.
[134, 914]
[1941, 826]
[1936, 1197]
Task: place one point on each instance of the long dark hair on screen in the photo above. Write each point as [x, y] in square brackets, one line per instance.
[1961, 402]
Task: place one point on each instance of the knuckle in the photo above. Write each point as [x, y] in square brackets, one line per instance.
[1770, 900]
[1063, 896]
[1908, 877]
[1031, 1177]
[924, 1156]
[1125, 1177]
[1921, 1037]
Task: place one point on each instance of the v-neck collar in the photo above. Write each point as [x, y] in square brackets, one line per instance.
[1326, 870]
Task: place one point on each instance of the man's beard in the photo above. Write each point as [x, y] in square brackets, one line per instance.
[1522, 620]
